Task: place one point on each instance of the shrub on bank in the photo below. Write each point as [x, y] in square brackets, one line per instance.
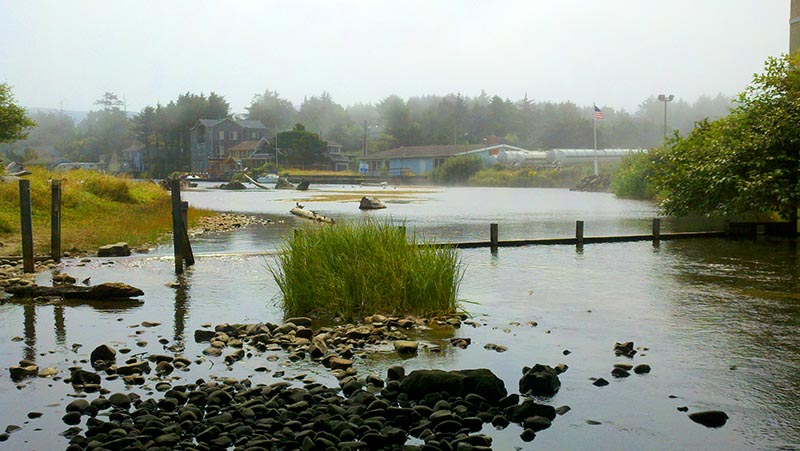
[352, 270]
[566, 177]
[634, 177]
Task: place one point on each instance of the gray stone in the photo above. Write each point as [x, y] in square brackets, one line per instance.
[406, 346]
[541, 380]
[710, 418]
[103, 352]
[483, 382]
[120, 249]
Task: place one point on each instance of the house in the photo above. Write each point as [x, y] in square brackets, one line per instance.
[211, 139]
[251, 154]
[420, 160]
[339, 162]
[133, 159]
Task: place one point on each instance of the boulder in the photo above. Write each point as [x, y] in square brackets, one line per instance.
[370, 203]
[103, 353]
[120, 249]
[541, 380]
[483, 382]
[21, 372]
[624, 349]
[406, 346]
[710, 418]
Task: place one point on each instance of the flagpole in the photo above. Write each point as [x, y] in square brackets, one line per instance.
[594, 124]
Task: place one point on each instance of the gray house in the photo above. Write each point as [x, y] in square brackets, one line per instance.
[211, 138]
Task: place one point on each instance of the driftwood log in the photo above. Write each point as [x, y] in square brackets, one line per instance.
[312, 215]
[109, 290]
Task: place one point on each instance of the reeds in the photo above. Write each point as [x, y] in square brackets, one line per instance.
[357, 269]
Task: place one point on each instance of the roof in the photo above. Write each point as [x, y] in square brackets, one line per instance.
[248, 145]
[245, 123]
[424, 151]
[338, 158]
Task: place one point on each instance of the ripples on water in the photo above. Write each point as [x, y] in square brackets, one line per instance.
[720, 318]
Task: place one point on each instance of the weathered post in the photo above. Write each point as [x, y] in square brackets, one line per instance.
[55, 220]
[656, 230]
[26, 222]
[493, 236]
[579, 233]
[177, 230]
[186, 246]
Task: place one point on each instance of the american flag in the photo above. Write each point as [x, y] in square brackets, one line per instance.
[598, 114]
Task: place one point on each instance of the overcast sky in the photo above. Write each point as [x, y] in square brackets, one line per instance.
[613, 52]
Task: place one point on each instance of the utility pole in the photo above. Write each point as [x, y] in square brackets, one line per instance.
[366, 137]
[794, 27]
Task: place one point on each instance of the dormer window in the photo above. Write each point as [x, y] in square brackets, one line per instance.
[221, 135]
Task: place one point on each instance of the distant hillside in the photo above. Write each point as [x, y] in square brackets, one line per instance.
[76, 116]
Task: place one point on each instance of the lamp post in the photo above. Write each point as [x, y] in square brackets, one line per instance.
[666, 99]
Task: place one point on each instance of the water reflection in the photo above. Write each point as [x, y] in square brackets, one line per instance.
[181, 310]
[29, 313]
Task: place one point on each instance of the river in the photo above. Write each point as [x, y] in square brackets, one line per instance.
[717, 320]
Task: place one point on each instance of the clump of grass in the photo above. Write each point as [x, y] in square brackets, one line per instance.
[357, 269]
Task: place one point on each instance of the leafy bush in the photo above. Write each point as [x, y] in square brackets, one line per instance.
[457, 169]
[566, 177]
[633, 178]
[352, 270]
[108, 187]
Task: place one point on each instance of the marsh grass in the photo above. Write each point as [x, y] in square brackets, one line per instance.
[96, 209]
[357, 269]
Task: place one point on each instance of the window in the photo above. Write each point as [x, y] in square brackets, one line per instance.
[234, 135]
[253, 135]
[221, 135]
[437, 162]
[221, 149]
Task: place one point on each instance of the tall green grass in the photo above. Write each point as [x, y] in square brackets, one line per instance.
[357, 269]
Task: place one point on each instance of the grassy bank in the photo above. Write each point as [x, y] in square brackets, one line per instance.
[97, 209]
[566, 177]
[352, 270]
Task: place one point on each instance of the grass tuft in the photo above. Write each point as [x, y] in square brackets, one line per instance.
[357, 269]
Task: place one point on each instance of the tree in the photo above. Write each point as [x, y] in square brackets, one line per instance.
[14, 121]
[272, 110]
[457, 169]
[746, 162]
[302, 147]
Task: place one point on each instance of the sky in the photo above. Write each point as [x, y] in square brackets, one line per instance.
[616, 53]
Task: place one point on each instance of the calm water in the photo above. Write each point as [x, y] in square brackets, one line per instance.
[719, 318]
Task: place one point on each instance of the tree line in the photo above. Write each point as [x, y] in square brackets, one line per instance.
[164, 130]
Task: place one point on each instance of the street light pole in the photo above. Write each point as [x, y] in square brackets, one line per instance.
[666, 99]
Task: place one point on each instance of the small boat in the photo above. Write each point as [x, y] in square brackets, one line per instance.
[300, 211]
[381, 184]
[268, 178]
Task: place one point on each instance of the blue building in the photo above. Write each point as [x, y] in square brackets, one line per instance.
[420, 160]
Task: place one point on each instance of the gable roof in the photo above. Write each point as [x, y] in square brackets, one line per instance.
[244, 123]
[249, 145]
[423, 151]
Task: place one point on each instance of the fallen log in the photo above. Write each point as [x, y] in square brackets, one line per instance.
[312, 215]
[109, 290]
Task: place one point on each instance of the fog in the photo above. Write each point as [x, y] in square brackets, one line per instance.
[616, 52]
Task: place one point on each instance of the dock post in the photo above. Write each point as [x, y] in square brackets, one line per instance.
[656, 231]
[26, 223]
[55, 220]
[493, 235]
[579, 233]
[177, 228]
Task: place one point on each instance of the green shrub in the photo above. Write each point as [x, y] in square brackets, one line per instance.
[633, 178]
[109, 188]
[457, 169]
[352, 270]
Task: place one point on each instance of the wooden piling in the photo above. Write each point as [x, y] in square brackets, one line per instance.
[656, 230]
[186, 246]
[176, 225]
[26, 222]
[55, 220]
[579, 233]
[493, 234]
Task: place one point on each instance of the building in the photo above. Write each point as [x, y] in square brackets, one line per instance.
[251, 154]
[211, 139]
[339, 162]
[420, 160]
[133, 159]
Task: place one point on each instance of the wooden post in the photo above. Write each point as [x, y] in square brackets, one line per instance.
[579, 233]
[55, 220]
[186, 246]
[26, 222]
[656, 230]
[493, 235]
[177, 228]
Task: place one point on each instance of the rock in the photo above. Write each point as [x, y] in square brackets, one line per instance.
[536, 423]
[78, 405]
[600, 382]
[395, 373]
[530, 408]
[370, 203]
[561, 410]
[21, 372]
[164, 368]
[34, 415]
[642, 369]
[120, 249]
[541, 380]
[338, 363]
[683, 409]
[79, 376]
[406, 346]
[120, 400]
[483, 382]
[103, 353]
[72, 418]
[134, 368]
[710, 418]
[527, 435]
[48, 372]
[201, 335]
[624, 349]
[619, 373]
[150, 323]
[300, 321]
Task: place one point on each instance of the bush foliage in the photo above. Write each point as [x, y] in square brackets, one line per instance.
[352, 270]
[456, 170]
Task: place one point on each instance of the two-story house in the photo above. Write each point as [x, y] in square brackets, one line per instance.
[211, 139]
